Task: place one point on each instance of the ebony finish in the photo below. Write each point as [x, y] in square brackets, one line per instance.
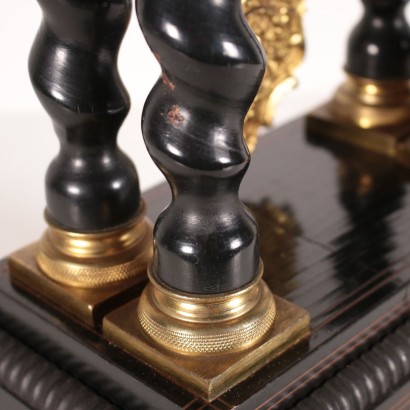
[206, 240]
[369, 379]
[335, 225]
[39, 383]
[91, 185]
[379, 47]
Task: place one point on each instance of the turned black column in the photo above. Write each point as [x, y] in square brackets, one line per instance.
[206, 241]
[379, 47]
[91, 185]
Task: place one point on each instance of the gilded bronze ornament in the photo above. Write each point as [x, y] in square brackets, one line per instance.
[278, 26]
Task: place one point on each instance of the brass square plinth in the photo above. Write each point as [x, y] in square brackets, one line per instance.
[389, 141]
[88, 305]
[207, 376]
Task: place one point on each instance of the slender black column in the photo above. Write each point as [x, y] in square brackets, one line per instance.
[379, 47]
[206, 241]
[91, 185]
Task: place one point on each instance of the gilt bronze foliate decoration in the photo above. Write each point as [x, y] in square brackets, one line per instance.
[278, 26]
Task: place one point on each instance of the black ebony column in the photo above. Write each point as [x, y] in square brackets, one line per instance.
[372, 108]
[91, 185]
[206, 241]
[98, 239]
[379, 47]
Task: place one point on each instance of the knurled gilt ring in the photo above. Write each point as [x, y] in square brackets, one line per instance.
[207, 324]
[96, 260]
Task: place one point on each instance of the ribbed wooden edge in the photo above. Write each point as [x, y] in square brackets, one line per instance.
[368, 380]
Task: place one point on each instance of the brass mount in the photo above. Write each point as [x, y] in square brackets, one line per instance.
[96, 260]
[369, 104]
[85, 274]
[373, 115]
[206, 324]
[184, 336]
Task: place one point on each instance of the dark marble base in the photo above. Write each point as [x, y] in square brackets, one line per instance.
[335, 238]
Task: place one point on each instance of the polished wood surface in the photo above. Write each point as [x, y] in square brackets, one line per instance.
[334, 224]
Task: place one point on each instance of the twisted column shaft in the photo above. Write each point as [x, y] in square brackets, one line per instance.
[206, 241]
[91, 185]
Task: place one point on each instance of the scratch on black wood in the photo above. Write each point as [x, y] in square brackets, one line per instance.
[168, 82]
